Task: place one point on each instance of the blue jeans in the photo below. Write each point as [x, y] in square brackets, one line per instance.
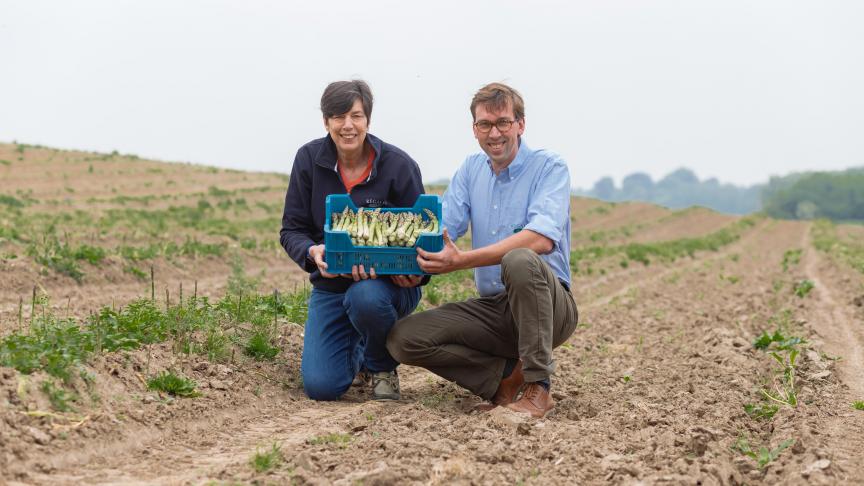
[345, 331]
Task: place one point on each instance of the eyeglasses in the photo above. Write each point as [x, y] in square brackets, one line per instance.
[485, 126]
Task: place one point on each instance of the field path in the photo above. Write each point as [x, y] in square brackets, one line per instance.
[189, 452]
[206, 448]
[833, 319]
[843, 333]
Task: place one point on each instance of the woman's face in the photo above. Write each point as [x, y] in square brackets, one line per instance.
[348, 130]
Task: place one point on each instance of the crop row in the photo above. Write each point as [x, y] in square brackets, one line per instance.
[825, 239]
[664, 250]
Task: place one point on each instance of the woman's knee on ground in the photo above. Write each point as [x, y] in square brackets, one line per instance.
[325, 385]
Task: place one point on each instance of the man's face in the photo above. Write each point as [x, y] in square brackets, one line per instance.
[348, 130]
[500, 146]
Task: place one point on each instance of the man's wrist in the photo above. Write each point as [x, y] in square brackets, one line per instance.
[463, 260]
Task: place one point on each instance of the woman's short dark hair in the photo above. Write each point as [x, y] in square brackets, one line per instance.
[339, 97]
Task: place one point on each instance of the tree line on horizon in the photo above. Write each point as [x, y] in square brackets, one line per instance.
[837, 196]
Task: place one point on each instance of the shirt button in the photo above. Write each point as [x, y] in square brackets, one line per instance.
[495, 207]
[493, 232]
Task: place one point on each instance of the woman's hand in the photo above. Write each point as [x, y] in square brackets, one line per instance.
[357, 272]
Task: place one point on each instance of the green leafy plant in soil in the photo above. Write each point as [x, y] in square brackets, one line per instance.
[259, 347]
[858, 405]
[173, 384]
[63, 257]
[339, 439]
[58, 397]
[264, 461]
[784, 350]
[784, 390]
[790, 258]
[779, 340]
[11, 201]
[761, 411]
[764, 455]
[803, 288]
[57, 345]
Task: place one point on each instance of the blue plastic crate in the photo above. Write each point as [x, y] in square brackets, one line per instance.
[340, 254]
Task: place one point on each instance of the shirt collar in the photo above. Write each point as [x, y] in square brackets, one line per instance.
[515, 168]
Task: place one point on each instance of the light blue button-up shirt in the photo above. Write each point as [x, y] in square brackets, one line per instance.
[532, 193]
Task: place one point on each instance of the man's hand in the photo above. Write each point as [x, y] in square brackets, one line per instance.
[406, 281]
[357, 273]
[444, 261]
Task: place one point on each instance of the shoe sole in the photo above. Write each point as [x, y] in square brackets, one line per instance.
[386, 398]
[484, 407]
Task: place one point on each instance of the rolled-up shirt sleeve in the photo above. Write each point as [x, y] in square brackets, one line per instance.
[549, 205]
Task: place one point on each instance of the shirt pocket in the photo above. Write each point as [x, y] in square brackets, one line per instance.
[514, 218]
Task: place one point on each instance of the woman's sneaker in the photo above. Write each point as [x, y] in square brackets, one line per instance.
[385, 386]
[362, 378]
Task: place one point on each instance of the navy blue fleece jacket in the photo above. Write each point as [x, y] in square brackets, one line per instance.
[394, 182]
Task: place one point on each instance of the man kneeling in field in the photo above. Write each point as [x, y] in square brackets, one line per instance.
[517, 202]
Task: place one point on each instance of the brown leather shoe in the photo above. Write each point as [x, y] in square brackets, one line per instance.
[535, 400]
[507, 390]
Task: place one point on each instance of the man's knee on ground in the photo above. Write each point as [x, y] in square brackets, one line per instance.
[325, 386]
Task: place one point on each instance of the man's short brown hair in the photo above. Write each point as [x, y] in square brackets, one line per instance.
[497, 96]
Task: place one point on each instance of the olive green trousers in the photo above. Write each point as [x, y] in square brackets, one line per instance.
[469, 342]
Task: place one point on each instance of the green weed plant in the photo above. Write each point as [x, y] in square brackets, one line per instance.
[259, 347]
[764, 455]
[58, 345]
[266, 460]
[803, 288]
[790, 258]
[60, 398]
[778, 340]
[173, 384]
[333, 438]
[761, 411]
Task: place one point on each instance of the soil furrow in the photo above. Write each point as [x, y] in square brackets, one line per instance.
[843, 333]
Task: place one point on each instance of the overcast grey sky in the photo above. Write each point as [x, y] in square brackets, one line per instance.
[734, 89]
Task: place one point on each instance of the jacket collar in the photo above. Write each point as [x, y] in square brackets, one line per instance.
[326, 156]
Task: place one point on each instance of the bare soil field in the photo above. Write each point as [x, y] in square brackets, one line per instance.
[711, 349]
